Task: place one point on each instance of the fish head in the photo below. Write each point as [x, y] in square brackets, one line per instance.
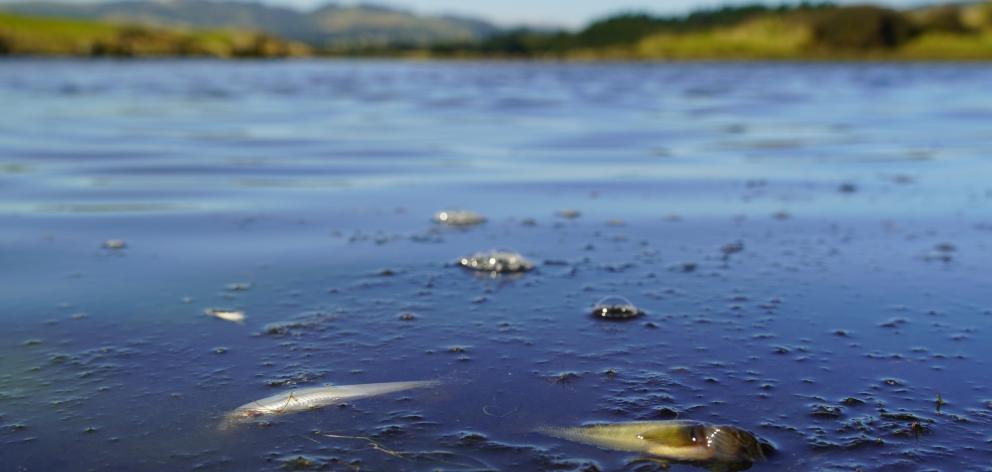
[238, 417]
[701, 442]
[734, 445]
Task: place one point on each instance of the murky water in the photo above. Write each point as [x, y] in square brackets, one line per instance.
[810, 246]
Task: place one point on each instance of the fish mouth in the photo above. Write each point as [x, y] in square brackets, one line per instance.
[730, 444]
[229, 423]
[237, 418]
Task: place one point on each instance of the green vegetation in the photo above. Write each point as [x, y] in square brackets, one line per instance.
[332, 24]
[27, 35]
[804, 31]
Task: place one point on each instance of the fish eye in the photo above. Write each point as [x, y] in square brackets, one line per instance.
[698, 434]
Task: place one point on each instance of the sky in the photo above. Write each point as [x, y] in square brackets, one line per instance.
[568, 13]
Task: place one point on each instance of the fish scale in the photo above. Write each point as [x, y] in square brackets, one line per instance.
[303, 399]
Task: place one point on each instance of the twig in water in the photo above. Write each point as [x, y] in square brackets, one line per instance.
[375, 445]
[485, 409]
[398, 454]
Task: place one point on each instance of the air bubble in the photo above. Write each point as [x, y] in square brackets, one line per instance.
[616, 308]
[497, 262]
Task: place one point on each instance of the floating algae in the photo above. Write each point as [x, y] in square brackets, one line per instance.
[458, 218]
[497, 262]
[685, 441]
[226, 315]
[616, 308]
[303, 399]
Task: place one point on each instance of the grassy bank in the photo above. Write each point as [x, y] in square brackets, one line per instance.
[27, 35]
[803, 32]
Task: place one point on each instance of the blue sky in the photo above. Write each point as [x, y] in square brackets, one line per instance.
[570, 13]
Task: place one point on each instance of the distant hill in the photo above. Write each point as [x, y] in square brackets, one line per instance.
[805, 30]
[331, 25]
[47, 36]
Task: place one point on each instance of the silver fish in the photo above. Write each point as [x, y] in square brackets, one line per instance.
[302, 399]
[688, 441]
[226, 315]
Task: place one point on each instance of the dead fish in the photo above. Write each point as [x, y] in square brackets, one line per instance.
[679, 440]
[458, 218]
[303, 399]
[226, 315]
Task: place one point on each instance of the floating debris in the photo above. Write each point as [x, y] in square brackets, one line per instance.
[942, 252]
[303, 399]
[684, 267]
[497, 262]
[226, 315]
[820, 410]
[564, 377]
[114, 244]
[458, 218]
[615, 308]
[731, 248]
[569, 214]
[847, 187]
[687, 441]
[314, 321]
[893, 323]
[299, 463]
[945, 247]
[938, 256]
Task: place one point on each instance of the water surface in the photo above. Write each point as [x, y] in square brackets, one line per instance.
[859, 194]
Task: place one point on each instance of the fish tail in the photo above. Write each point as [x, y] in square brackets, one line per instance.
[562, 432]
[388, 387]
[413, 384]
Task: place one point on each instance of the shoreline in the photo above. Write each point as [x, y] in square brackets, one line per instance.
[497, 60]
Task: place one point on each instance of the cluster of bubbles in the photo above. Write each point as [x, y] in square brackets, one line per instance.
[497, 262]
